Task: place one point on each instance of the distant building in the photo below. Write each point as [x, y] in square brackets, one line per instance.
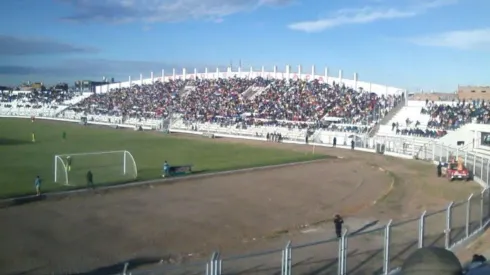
[433, 96]
[60, 87]
[31, 86]
[89, 85]
[474, 92]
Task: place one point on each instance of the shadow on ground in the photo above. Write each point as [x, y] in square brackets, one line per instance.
[12, 142]
[119, 267]
[22, 200]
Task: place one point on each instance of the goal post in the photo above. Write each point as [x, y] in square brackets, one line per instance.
[110, 167]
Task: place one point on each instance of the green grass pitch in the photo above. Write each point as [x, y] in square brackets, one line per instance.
[21, 159]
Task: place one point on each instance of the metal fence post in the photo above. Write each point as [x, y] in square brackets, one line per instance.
[219, 263]
[340, 257]
[345, 240]
[413, 147]
[286, 259]
[422, 229]
[482, 205]
[342, 264]
[468, 215]
[213, 267]
[448, 225]
[213, 264]
[465, 157]
[447, 154]
[474, 165]
[387, 241]
[440, 156]
[433, 151]
[488, 172]
[481, 167]
[487, 200]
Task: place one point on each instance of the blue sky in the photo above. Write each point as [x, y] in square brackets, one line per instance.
[413, 44]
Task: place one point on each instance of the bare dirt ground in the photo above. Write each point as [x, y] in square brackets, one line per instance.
[96, 233]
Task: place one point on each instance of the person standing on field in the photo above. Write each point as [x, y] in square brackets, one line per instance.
[68, 162]
[63, 135]
[33, 137]
[90, 180]
[37, 185]
[166, 168]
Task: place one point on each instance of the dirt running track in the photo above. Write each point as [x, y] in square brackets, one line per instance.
[95, 233]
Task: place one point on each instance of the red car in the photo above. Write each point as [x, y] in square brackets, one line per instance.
[451, 171]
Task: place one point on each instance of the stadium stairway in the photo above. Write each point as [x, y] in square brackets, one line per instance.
[186, 90]
[68, 103]
[258, 91]
[386, 119]
[249, 92]
[412, 112]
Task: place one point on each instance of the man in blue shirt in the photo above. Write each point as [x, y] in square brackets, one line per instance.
[37, 184]
[166, 167]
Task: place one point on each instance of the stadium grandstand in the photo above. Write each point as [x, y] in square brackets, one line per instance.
[297, 105]
[301, 107]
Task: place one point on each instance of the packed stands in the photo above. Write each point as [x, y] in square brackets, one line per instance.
[240, 105]
[454, 115]
[293, 108]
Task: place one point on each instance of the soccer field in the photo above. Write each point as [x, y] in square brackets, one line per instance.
[22, 160]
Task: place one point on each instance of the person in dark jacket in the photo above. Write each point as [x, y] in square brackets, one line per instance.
[439, 169]
[352, 144]
[338, 221]
[334, 142]
[90, 179]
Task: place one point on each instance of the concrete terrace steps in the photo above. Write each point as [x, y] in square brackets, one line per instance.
[257, 92]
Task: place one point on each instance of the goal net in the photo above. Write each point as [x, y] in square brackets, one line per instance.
[107, 168]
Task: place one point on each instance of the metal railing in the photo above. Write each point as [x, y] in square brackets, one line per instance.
[380, 250]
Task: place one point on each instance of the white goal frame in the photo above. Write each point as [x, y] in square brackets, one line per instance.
[59, 158]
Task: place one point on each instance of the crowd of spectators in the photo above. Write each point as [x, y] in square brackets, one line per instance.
[36, 97]
[258, 101]
[454, 115]
[414, 128]
[445, 117]
[416, 132]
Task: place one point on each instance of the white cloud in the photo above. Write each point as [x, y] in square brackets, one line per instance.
[367, 15]
[161, 10]
[476, 39]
